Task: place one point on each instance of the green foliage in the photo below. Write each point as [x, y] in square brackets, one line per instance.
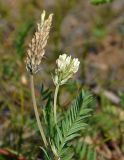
[21, 36]
[8, 66]
[46, 156]
[122, 99]
[47, 111]
[91, 154]
[3, 157]
[48, 116]
[84, 151]
[68, 128]
[99, 31]
[62, 134]
[45, 93]
[96, 2]
[109, 120]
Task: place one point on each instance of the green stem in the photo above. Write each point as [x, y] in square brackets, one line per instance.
[55, 103]
[36, 112]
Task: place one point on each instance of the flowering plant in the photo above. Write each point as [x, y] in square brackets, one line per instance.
[59, 132]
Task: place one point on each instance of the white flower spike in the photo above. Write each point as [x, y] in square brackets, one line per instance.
[66, 67]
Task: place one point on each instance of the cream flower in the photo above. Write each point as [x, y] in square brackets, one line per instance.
[66, 67]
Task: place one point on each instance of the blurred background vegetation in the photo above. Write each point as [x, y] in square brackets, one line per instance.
[94, 34]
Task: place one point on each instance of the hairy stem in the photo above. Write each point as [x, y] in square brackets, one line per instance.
[55, 103]
[36, 111]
